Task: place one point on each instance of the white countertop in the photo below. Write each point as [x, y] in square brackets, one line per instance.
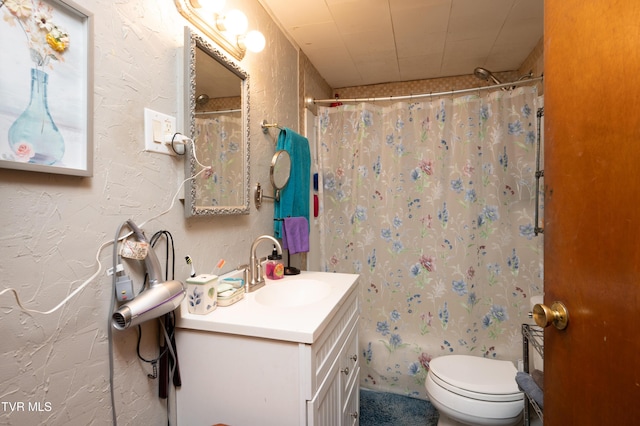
[301, 324]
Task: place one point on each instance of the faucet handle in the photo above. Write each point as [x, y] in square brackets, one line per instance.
[245, 273]
[259, 271]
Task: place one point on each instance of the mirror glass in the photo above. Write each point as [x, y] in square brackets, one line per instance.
[217, 116]
[280, 169]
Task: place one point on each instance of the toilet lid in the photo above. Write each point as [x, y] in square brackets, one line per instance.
[476, 374]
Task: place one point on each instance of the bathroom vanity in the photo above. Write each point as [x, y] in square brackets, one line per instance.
[285, 355]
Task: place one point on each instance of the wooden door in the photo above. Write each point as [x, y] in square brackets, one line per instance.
[592, 211]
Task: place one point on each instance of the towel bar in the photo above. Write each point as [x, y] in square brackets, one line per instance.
[539, 173]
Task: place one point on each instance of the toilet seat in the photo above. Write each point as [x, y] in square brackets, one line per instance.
[478, 378]
[473, 390]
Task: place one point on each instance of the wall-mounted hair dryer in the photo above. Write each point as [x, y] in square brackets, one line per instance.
[160, 298]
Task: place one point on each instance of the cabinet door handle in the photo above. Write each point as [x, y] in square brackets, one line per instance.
[345, 371]
[354, 415]
[354, 358]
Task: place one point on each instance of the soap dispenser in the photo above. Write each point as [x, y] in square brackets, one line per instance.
[274, 267]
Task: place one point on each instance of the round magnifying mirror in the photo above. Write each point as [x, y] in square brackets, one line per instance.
[280, 169]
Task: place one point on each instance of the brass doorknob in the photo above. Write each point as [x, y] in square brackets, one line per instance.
[556, 315]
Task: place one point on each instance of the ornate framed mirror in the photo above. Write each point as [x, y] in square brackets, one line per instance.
[217, 120]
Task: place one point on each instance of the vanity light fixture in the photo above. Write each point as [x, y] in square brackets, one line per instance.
[234, 21]
[228, 30]
[253, 41]
[209, 6]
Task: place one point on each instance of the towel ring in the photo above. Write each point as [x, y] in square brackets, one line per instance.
[265, 126]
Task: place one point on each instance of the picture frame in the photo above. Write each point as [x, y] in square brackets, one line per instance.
[46, 87]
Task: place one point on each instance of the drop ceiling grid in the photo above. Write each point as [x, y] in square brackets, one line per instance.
[360, 42]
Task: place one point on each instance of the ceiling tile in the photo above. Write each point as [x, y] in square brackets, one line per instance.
[335, 65]
[421, 45]
[320, 35]
[430, 19]
[417, 67]
[420, 30]
[362, 16]
[291, 17]
[355, 42]
[526, 10]
[367, 43]
[471, 17]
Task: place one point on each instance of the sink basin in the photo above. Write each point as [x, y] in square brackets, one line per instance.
[298, 292]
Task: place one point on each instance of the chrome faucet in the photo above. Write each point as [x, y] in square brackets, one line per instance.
[255, 269]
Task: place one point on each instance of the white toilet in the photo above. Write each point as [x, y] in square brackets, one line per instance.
[469, 390]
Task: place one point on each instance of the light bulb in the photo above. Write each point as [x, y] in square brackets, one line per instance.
[234, 22]
[254, 41]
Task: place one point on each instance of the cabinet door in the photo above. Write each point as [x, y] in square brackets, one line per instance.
[349, 376]
[351, 412]
[349, 359]
[337, 400]
[326, 407]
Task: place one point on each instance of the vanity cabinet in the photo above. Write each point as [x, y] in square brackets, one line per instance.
[248, 380]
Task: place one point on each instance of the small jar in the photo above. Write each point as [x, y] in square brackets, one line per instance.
[274, 268]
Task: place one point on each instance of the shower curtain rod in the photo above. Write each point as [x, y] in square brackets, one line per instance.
[217, 112]
[450, 92]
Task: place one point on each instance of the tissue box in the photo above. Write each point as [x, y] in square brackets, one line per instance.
[202, 296]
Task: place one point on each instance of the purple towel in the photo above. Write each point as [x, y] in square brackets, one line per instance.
[295, 234]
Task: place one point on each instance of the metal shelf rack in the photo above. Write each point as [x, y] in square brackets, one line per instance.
[531, 336]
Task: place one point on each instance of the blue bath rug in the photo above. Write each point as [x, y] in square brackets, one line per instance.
[389, 409]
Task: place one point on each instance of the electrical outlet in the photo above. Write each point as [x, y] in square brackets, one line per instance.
[157, 128]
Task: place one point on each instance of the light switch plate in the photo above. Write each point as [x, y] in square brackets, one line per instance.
[158, 127]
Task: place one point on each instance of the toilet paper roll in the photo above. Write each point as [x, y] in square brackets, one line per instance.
[534, 300]
[537, 361]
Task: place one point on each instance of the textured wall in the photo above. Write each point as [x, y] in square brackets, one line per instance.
[51, 226]
[418, 87]
[312, 86]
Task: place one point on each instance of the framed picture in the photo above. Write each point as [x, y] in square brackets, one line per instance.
[46, 87]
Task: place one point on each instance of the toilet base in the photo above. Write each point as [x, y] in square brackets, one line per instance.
[445, 420]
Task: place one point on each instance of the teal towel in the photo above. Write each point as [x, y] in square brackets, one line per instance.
[294, 198]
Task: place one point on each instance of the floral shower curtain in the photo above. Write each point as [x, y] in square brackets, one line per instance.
[432, 203]
[219, 141]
